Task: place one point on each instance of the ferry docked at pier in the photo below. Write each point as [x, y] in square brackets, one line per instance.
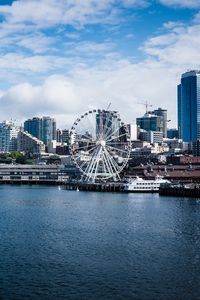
[139, 184]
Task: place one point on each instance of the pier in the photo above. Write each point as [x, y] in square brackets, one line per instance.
[192, 190]
[94, 187]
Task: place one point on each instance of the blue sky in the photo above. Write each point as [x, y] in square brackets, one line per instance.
[63, 57]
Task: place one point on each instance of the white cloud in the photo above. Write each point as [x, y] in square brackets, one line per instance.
[124, 84]
[37, 43]
[20, 63]
[182, 3]
[72, 12]
[57, 96]
[180, 47]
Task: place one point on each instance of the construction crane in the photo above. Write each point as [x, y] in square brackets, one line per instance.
[147, 105]
[108, 106]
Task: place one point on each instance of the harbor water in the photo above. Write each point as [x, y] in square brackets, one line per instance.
[59, 244]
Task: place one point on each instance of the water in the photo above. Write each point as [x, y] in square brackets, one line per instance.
[57, 244]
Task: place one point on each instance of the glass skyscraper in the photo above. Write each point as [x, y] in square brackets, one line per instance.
[150, 122]
[189, 106]
[107, 122]
[42, 128]
[163, 114]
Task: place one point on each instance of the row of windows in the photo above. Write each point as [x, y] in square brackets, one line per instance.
[28, 173]
[29, 177]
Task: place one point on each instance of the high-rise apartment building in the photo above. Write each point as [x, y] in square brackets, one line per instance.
[8, 136]
[34, 127]
[49, 130]
[42, 128]
[27, 142]
[59, 135]
[189, 106]
[66, 136]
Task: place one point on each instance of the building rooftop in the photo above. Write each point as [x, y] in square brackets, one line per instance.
[190, 73]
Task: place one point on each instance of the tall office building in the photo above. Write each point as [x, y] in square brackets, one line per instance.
[163, 114]
[154, 121]
[150, 122]
[189, 106]
[42, 128]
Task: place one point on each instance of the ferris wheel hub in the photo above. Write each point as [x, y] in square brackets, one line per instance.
[101, 142]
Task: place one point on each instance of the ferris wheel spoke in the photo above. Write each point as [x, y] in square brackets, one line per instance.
[83, 164]
[91, 125]
[109, 161]
[92, 162]
[108, 165]
[116, 149]
[104, 166]
[113, 160]
[84, 140]
[104, 117]
[113, 132]
[107, 127]
[97, 164]
[87, 146]
[89, 150]
[89, 164]
[112, 163]
[116, 143]
[90, 172]
[116, 137]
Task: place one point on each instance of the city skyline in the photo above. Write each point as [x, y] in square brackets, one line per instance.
[61, 58]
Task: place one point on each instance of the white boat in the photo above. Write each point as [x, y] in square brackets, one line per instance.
[139, 184]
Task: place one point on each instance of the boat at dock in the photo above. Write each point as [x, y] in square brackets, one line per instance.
[140, 185]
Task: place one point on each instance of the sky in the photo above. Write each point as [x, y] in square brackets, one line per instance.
[63, 57]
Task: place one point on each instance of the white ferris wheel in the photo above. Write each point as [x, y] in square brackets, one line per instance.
[100, 145]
